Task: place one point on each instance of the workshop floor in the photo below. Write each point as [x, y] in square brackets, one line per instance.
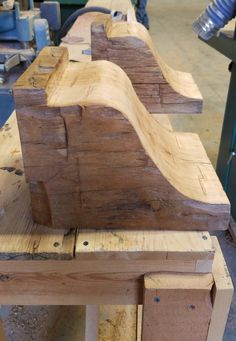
[170, 27]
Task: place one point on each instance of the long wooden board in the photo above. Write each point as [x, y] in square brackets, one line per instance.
[113, 275]
[95, 160]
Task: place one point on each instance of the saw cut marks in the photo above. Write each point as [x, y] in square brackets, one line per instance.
[159, 87]
[95, 158]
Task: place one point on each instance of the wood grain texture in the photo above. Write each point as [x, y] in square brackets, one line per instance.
[113, 276]
[222, 295]
[117, 323]
[158, 86]
[20, 237]
[176, 307]
[148, 245]
[107, 163]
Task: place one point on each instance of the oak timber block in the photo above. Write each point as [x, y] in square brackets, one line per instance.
[177, 307]
[107, 163]
[160, 88]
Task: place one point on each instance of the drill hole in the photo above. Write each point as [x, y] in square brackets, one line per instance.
[86, 243]
[56, 244]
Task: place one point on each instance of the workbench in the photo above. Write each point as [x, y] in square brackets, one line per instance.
[40, 266]
[180, 278]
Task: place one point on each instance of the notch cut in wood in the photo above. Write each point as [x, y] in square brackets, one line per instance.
[95, 158]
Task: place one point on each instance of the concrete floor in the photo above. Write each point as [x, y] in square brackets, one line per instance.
[170, 27]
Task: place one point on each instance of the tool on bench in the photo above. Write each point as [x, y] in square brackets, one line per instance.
[23, 34]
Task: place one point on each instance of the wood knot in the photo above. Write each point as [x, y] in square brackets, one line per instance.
[4, 278]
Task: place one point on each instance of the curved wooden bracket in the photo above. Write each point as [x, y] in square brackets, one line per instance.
[95, 158]
[160, 88]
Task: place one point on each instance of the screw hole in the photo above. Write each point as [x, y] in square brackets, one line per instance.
[86, 243]
[204, 237]
[157, 299]
[56, 244]
[191, 307]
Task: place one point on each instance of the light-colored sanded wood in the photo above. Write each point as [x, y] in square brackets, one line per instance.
[106, 280]
[107, 162]
[159, 87]
[222, 295]
[153, 245]
[117, 323]
[176, 307]
[20, 238]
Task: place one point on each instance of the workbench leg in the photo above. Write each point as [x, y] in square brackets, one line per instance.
[176, 307]
[91, 323]
[2, 334]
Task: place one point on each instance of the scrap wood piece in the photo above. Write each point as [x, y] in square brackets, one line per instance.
[159, 87]
[95, 158]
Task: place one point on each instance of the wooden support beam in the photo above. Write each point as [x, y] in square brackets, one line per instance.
[176, 307]
[91, 323]
[113, 275]
[222, 295]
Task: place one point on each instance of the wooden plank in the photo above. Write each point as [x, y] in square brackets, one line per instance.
[107, 278]
[145, 245]
[91, 179]
[222, 295]
[176, 307]
[89, 282]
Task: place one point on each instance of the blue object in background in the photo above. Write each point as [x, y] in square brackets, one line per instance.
[215, 17]
[17, 29]
[50, 10]
[41, 34]
[141, 13]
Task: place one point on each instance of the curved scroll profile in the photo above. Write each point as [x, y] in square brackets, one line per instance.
[95, 158]
[159, 87]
